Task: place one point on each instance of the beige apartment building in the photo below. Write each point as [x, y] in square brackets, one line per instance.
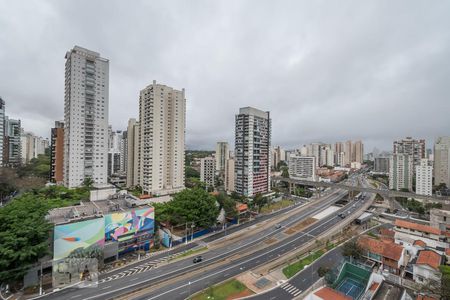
[162, 119]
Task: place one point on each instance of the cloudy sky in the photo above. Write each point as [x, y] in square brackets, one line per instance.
[326, 70]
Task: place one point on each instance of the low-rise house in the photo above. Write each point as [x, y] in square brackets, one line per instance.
[426, 267]
[408, 234]
[389, 255]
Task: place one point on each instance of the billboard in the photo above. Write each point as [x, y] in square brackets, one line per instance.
[126, 225]
[75, 237]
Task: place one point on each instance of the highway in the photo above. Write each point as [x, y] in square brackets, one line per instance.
[182, 289]
[108, 289]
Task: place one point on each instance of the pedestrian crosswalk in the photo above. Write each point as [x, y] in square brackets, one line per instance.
[291, 289]
[139, 269]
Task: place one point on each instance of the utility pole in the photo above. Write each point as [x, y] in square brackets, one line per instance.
[186, 236]
[40, 282]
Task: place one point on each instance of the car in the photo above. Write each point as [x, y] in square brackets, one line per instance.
[342, 216]
[198, 259]
[278, 226]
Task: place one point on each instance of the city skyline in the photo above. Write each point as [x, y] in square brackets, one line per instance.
[365, 70]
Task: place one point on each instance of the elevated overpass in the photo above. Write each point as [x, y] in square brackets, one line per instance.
[383, 192]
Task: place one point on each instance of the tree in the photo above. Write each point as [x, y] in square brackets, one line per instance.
[280, 165]
[191, 172]
[88, 182]
[445, 282]
[322, 271]
[285, 172]
[259, 201]
[228, 204]
[352, 249]
[24, 231]
[194, 206]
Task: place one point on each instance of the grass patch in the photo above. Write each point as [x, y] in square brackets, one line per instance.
[276, 205]
[330, 246]
[231, 289]
[371, 234]
[190, 252]
[299, 265]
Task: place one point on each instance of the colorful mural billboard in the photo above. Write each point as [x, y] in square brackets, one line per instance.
[129, 224]
[77, 236]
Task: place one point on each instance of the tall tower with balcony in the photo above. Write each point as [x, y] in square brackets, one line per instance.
[252, 151]
[86, 102]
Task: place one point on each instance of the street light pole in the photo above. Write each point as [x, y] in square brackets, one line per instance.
[186, 236]
[40, 282]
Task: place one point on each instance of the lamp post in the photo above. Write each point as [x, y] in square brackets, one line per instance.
[192, 231]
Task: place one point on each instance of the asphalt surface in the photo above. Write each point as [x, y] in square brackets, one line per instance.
[184, 288]
[125, 284]
[302, 280]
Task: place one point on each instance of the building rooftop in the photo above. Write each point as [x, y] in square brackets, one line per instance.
[430, 258]
[327, 293]
[385, 248]
[387, 232]
[90, 210]
[389, 291]
[418, 227]
[419, 243]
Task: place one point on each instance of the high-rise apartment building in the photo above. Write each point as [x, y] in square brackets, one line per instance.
[207, 170]
[252, 151]
[85, 117]
[358, 152]
[114, 153]
[413, 147]
[162, 118]
[400, 171]
[302, 167]
[57, 153]
[278, 154]
[348, 155]
[12, 145]
[123, 148]
[32, 146]
[442, 161]
[2, 129]
[424, 178]
[229, 175]
[381, 165]
[133, 131]
[222, 154]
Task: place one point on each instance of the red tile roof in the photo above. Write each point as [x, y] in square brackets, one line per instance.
[327, 293]
[241, 207]
[418, 227]
[424, 297]
[387, 232]
[374, 286]
[419, 243]
[385, 248]
[430, 258]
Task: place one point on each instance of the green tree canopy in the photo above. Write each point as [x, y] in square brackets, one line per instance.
[352, 249]
[189, 206]
[24, 232]
[228, 204]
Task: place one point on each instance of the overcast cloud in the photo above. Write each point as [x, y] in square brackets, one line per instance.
[326, 70]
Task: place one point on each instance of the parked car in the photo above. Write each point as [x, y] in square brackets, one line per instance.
[198, 259]
[342, 216]
[278, 226]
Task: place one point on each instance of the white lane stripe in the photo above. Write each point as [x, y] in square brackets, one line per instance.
[289, 288]
[218, 272]
[298, 293]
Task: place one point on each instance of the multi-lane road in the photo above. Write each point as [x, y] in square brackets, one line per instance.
[181, 289]
[181, 278]
[125, 284]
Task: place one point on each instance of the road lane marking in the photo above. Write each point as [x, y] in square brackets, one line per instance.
[226, 269]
